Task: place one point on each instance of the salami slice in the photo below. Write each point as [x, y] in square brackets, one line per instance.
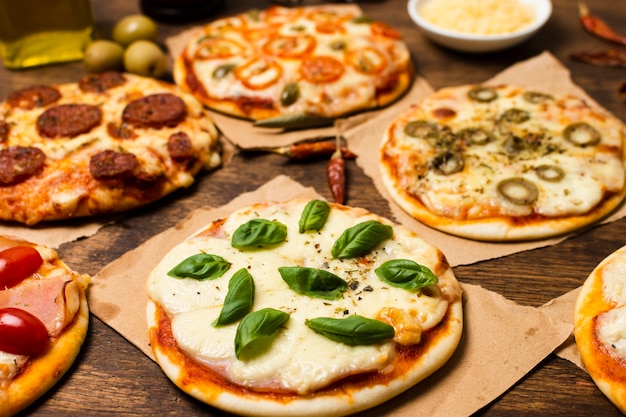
[68, 120]
[17, 163]
[155, 111]
[111, 164]
[32, 97]
[179, 146]
[99, 83]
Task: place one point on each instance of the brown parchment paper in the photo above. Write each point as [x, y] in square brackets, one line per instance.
[53, 235]
[241, 132]
[502, 340]
[543, 72]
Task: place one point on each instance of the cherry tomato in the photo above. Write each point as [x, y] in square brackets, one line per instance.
[21, 333]
[18, 263]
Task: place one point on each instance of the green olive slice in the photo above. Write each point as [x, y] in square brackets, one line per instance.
[515, 116]
[421, 129]
[582, 134]
[551, 173]
[518, 191]
[223, 70]
[535, 97]
[290, 94]
[338, 45]
[482, 94]
[475, 136]
[447, 163]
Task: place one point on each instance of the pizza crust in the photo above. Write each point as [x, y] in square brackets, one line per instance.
[43, 372]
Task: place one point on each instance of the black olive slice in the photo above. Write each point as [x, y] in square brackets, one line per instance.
[515, 115]
[421, 129]
[551, 173]
[582, 134]
[290, 94]
[513, 145]
[475, 136]
[535, 97]
[518, 191]
[482, 94]
[447, 163]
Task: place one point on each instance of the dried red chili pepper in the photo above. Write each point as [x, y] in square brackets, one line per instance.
[336, 174]
[598, 27]
[621, 90]
[305, 150]
[612, 58]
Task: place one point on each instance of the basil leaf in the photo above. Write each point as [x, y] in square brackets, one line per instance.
[257, 325]
[406, 274]
[353, 330]
[257, 233]
[315, 283]
[200, 266]
[360, 239]
[314, 216]
[238, 300]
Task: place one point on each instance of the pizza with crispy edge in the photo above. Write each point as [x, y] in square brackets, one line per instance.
[295, 67]
[105, 144]
[599, 318]
[302, 308]
[44, 318]
[504, 163]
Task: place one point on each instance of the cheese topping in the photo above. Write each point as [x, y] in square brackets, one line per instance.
[479, 17]
[296, 358]
[611, 325]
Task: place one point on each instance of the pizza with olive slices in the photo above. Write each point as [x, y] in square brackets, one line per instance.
[600, 314]
[295, 67]
[44, 317]
[107, 143]
[504, 163]
[302, 308]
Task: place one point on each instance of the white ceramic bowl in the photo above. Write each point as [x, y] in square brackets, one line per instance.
[467, 42]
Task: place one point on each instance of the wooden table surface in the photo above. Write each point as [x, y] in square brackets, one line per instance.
[112, 377]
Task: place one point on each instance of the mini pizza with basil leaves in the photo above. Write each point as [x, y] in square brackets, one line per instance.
[104, 144]
[504, 163]
[295, 67]
[44, 317]
[600, 314]
[303, 308]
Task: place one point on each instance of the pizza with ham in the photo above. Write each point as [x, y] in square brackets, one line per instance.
[600, 314]
[302, 308]
[43, 321]
[295, 67]
[108, 143]
[504, 162]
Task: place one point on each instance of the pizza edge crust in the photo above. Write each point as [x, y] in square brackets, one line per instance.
[43, 372]
[589, 305]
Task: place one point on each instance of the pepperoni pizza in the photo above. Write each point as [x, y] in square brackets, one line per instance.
[43, 321]
[108, 143]
[295, 67]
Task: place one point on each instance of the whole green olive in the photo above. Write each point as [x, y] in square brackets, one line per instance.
[133, 28]
[145, 58]
[103, 55]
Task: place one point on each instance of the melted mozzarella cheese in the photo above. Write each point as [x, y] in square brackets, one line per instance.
[614, 281]
[297, 359]
[612, 330]
[10, 366]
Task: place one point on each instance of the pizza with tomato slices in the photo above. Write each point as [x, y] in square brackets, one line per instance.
[43, 321]
[104, 144]
[504, 162]
[599, 318]
[295, 67]
[302, 308]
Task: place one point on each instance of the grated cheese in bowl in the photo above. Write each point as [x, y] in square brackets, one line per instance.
[480, 17]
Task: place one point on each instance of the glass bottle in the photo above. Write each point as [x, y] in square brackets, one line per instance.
[40, 32]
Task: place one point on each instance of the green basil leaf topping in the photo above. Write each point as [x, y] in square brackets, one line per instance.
[312, 282]
[406, 274]
[200, 266]
[353, 330]
[314, 216]
[257, 325]
[238, 300]
[360, 239]
[257, 233]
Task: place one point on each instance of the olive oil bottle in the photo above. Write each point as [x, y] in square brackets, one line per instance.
[41, 32]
